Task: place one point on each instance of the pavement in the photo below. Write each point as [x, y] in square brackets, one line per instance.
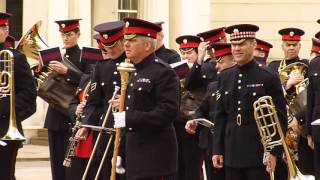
[33, 163]
[31, 152]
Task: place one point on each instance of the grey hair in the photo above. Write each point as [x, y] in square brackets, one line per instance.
[152, 41]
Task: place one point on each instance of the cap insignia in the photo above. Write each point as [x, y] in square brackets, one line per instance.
[185, 41]
[201, 38]
[291, 33]
[127, 24]
[105, 36]
[63, 25]
[236, 31]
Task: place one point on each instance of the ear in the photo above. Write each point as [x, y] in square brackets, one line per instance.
[148, 45]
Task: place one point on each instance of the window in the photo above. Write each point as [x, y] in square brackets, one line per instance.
[127, 8]
[15, 8]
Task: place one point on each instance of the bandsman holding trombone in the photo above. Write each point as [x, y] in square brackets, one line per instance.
[104, 80]
[24, 105]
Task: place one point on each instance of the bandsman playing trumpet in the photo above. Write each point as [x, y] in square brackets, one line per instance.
[236, 145]
[25, 100]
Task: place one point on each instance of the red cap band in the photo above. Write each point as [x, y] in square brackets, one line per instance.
[263, 47]
[290, 38]
[216, 37]
[139, 30]
[189, 45]
[68, 27]
[111, 38]
[315, 49]
[222, 52]
[4, 22]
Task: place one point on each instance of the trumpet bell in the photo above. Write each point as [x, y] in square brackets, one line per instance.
[31, 43]
[13, 135]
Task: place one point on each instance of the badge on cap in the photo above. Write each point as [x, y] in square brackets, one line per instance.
[236, 31]
[291, 33]
[105, 36]
[185, 41]
[202, 39]
[63, 25]
[127, 24]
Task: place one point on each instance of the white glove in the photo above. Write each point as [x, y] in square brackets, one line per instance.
[119, 119]
[119, 168]
[2, 143]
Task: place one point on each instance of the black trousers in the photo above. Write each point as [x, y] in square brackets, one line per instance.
[58, 143]
[305, 153]
[8, 155]
[190, 156]
[316, 159]
[250, 173]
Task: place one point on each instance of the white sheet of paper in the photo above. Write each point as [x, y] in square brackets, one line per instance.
[316, 122]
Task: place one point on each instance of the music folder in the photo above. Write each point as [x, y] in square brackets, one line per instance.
[181, 68]
[90, 55]
[51, 54]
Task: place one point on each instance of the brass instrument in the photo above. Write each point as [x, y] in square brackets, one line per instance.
[51, 86]
[7, 89]
[272, 135]
[125, 69]
[296, 100]
[73, 142]
[104, 123]
[31, 43]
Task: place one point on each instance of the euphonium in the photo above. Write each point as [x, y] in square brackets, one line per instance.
[31, 43]
[7, 89]
[296, 101]
[271, 134]
[125, 69]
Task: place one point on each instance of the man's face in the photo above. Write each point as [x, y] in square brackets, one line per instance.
[259, 53]
[243, 53]
[136, 48]
[224, 62]
[115, 51]
[291, 50]
[190, 56]
[3, 33]
[70, 39]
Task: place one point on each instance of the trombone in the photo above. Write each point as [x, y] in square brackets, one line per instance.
[7, 89]
[271, 135]
[116, 89]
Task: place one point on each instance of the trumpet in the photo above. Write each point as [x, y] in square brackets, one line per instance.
[73, 142]
[7, 89]
[116, 89]
[272, 136]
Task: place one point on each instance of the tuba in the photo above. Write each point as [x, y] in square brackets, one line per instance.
[271, 134]
[7, 89]
[51, 86]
